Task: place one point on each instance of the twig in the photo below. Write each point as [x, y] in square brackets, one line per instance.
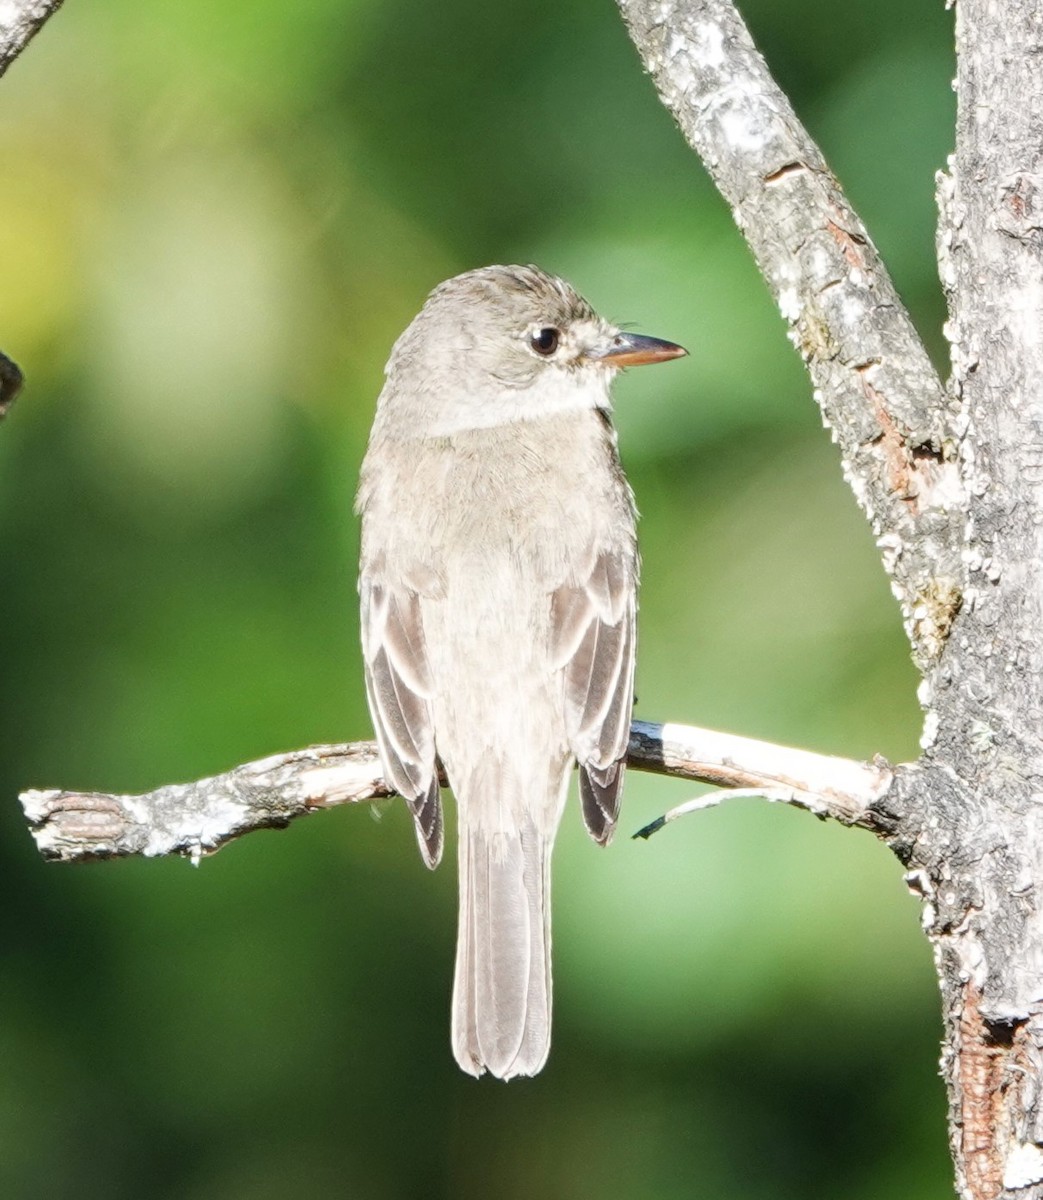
[872, 377]
[195, 819]
[713, 799]
[10, 383]
[20, 21]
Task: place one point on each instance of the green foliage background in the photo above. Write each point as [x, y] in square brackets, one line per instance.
[214, 220]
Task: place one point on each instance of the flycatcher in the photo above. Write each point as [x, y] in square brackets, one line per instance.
[498, 586]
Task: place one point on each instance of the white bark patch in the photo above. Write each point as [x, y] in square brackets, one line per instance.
[745, 124]
[10, 15]
[1025, 308]
[679, 54]
[741, 131]
[226, 813]
[1024, 1166]
[971, 956]
[789, 303]
[337, 785]
[930, 731]
[819, 774]
[708, 46]
[853, 310]
[820, 267]
[942, 488]
[973, 558]
[890, 546]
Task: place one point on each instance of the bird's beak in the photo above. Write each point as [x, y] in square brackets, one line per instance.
[634, 350]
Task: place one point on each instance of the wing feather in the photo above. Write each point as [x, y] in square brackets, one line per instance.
[593, 640]
[398, 684]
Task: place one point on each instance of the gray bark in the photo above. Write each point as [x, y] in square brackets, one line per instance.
[986, 693]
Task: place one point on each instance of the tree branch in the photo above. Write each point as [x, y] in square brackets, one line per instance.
[872, 377]
[20, 21]
[195, 819]
[839, 788]
[199, 818]
[10, 383]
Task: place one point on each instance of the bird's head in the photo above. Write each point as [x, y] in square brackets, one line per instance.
[505, 344]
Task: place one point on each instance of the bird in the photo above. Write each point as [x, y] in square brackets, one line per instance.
[498, 594]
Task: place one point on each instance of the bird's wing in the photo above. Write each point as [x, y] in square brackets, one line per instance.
[398, 683]
[593, 641]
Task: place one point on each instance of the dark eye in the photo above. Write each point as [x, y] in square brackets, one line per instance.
[545, 341]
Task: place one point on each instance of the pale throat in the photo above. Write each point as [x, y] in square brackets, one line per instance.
[551, 394]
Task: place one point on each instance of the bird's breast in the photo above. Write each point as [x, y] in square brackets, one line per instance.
[536, 499]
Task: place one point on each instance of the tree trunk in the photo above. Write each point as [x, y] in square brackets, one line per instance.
[981, 851]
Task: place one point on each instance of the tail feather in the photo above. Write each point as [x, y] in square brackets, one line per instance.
[502, 987]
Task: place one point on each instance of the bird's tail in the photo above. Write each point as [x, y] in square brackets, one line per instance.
[502, 988]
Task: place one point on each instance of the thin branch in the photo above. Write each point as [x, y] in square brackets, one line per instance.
[195, 819]
[10, 383]
[872, 377]
[713, 799]
[20, 21]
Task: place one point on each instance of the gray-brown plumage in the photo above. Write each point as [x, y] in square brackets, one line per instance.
[498, 587]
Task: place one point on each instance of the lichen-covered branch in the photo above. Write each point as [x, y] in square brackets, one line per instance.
[194, 819]
[872, 377]
[20, 21]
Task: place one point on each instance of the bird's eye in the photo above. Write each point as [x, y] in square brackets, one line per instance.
[545, 341]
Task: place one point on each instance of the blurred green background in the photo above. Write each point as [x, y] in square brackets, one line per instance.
[214, 220]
